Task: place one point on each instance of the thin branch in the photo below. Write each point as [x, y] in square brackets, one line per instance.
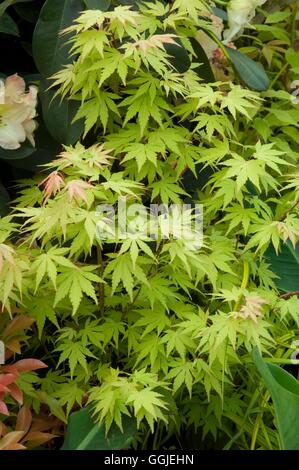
[289, 295]
[101, 289]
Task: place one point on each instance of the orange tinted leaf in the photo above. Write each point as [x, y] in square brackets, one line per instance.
[14, 346]
[24, 419]
[15, 447]
[42, 424]
[36, 438]
[10, 439]
[3, 429]
[8, 354]
[26, 365]
[18, 324]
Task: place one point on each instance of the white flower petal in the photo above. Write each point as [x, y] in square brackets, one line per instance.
[31, 100]
[30, 126]
[14, 88]
[17, 110]
[240, 13]
[2, 92]
[11, 135]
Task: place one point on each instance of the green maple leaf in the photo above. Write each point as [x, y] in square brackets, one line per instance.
[75, 354]
[41, 309]
[69, 394]
[177, 341]
[122, 270]
[46, 263]
[182, 373]
[140, 153]
[147, 404]
[117, 183]
[240, 100]
[74, 283]
[245, 170]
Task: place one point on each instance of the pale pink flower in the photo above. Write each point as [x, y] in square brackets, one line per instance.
[17, 112]
[240, 13]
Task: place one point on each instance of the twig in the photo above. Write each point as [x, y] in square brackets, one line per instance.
[289, 295]
[101, 285]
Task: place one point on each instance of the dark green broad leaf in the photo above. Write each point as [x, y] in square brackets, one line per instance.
[32, 78]
[251, 72]
[7, 3]
[220, 13]
[58, 115]
[97, 4]
[204, 70]
[50, 50]
[25, 150]
[179, 57]
[8, 26]
[286, 266]
[4, 201]
[192, 184]
[83, 433]
[28, 14]
[31, 157]
[284, 390]
[46, 150]
[133, 3]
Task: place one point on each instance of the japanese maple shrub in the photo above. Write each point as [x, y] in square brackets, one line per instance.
[158, 329]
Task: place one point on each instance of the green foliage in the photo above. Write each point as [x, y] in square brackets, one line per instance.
[58, 116]
[7, 3]
[284, 389]
[50, 52]
[8, 26]
[49, 49]
[252, 73]
[285, 266]
[84, 434]
[157, 331]
[4, 200]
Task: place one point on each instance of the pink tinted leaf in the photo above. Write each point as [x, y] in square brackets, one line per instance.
[3, 408]
[7, 379]
[52, 184]
[16, 393]
[10, 369]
